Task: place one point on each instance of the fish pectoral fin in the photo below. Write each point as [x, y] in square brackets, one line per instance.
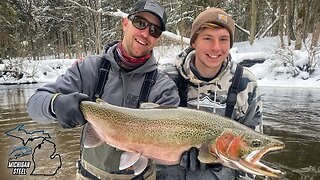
[127, 159]
[92, 139]
[205, 156]
[134, 160]
[140, 165]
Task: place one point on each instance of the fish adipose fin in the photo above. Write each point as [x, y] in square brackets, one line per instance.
[92, 139]
[98, 100]
[136, 160]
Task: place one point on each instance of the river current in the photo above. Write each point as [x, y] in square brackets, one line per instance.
[290, 114]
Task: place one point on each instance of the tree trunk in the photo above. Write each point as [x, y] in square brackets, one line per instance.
[299, 25]
[253, 28]
[275, 29]
[290, 18]
[98, 29]
[314, 47]
[75, 36]
[281, 23]
[316, 32]
[305, 30]
[247, 20]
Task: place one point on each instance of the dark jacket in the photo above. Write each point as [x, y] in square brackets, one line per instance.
[121, 89]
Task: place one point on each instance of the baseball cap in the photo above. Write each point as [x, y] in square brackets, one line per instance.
[153, 7]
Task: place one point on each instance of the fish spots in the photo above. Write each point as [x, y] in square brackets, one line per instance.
[164, 134]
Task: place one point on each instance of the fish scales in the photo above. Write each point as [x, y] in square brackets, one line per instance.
[177, 124]
[163, 134]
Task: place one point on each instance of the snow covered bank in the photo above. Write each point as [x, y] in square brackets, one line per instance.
[274, 71]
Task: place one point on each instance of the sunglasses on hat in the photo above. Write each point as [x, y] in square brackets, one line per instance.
[141, 23]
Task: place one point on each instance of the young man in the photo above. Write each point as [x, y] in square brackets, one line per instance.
[119, 77]
[208, 80]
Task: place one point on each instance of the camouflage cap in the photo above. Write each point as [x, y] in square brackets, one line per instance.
[214, 16]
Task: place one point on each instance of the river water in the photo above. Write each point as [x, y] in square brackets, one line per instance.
[290, 114]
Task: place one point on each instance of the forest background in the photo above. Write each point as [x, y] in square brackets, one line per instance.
[56, 29]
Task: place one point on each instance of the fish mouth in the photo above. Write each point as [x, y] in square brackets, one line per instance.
[251, 163]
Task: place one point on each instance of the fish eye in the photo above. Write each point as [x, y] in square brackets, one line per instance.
[256, 143]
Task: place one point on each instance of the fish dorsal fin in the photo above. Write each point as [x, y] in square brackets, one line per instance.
[140, 165]
[149, 105]
[127, 159]
[92, 139]
[205, 156]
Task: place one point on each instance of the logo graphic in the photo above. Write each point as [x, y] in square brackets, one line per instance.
[206, 102]
[222, 17]
[35, 151]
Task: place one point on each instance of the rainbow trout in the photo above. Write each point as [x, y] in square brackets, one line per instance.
[163, 134]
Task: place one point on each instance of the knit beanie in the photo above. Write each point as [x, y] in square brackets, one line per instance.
[214, 16]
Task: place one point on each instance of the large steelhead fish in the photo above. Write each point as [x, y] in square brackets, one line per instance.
[163, 134]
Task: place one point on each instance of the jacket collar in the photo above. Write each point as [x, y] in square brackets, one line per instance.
[149, 65]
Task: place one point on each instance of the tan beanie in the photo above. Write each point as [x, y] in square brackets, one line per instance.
[214, 16]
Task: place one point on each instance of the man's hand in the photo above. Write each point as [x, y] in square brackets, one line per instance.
[66, 108]
[189, 160]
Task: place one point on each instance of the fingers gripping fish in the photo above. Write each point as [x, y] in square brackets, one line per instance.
[163, 134]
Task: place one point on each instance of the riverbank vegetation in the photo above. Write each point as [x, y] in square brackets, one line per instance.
[71, 29]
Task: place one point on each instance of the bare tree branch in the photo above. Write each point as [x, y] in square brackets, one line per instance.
[243, 30]
[119, 14]
[265, 32]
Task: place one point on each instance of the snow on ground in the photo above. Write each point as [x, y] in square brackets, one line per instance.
[270, 73]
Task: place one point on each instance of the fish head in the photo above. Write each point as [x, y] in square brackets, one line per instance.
[243, 151]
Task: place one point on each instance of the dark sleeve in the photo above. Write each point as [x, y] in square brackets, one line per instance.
[78, 78]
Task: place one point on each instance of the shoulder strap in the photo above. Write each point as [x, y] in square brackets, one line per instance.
[103, 73]
[149, 81]
[183, 90]
[233, 91]
[102, 77]
[181, 83]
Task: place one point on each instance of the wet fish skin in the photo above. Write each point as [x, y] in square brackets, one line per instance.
[163, 134]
